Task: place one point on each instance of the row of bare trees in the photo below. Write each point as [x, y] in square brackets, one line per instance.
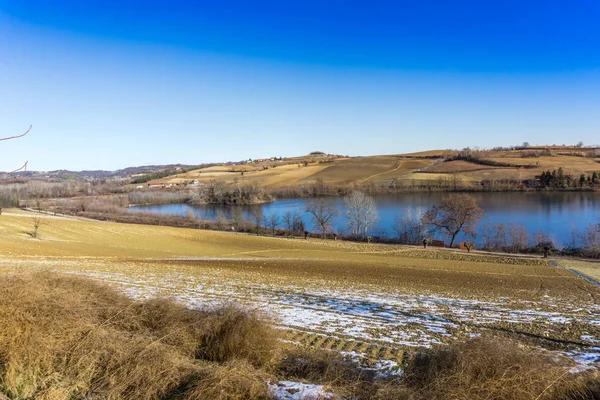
[359, 208]
[457, 213]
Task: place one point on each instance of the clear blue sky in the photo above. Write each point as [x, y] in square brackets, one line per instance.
[110, 84]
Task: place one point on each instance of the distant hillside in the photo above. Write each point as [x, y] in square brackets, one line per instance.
[467, 166]
[130, 172]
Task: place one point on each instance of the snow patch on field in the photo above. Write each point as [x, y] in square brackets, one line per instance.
[290, 390]
[589, 359]
[395, 318]
[370, 315]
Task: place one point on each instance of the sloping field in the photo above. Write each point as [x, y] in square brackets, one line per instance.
[376, 169]
[570, 164]
[286, 175]
[406, 168]
[283, 175]
[376, 300]
[427, 153]
[457, 166]
[426, 176]
[357, 169]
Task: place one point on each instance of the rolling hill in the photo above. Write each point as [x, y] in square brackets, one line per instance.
[468, 166]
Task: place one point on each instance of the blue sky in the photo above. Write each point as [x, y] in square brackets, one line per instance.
[113, 84]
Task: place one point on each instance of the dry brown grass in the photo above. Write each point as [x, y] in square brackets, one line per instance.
[319, 366]
[63, 337]
[481, 368]
[341, 374]
[489, 368]
[237, 380]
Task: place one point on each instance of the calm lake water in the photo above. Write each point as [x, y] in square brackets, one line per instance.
[556, 214]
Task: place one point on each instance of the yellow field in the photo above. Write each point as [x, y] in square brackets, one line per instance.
[458, 166]
[376, 169]
[374, 299]
[588, 268]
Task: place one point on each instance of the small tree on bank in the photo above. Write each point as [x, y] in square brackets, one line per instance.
[361, 213]
[409, 228]
[257, 217]
[323, 213]
[457, 213]
[292, 220]
[272, 222]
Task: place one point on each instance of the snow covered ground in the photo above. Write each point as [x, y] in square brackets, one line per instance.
[368, 315]
[388, 317]
[290, 390]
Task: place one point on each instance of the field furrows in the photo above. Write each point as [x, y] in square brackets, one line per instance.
[376, 302]
[373, 351]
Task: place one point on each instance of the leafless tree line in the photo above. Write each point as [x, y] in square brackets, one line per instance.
[588, 238]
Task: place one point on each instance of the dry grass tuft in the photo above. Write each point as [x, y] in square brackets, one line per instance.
[66, 337]
[231, 333]
[330, 368]
[237, 380]
[319, 366]
[488, 368]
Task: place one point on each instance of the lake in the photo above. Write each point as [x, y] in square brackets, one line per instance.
[554, 213]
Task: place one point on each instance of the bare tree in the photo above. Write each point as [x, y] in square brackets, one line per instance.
[457, 213]
[542, 243]
[500, 237]
[37, 222]
[361, 213]
[272, 222]
[487, 235]
[257, 217]
[288, 220]
[237, 217]
[292, 221]
[220, 220]
[323, 213]
[408, 227]
[590, 237]
[519, 238]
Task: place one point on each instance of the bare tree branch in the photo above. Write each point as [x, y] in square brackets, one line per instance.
[17, 136]
[23, 168]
